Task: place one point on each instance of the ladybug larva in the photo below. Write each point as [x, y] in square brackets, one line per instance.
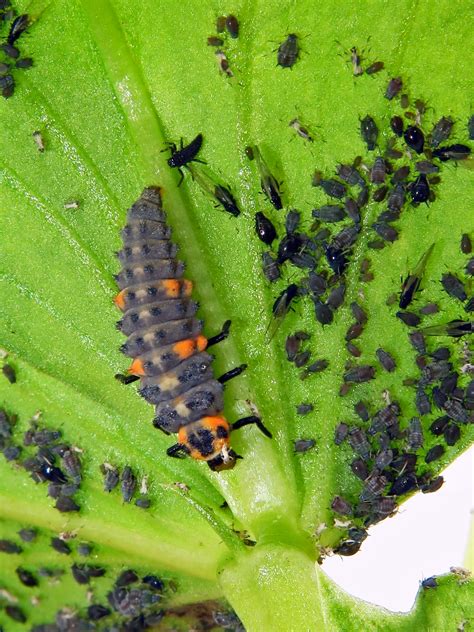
[166, 343]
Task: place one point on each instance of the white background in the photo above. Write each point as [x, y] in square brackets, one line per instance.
[427, 536]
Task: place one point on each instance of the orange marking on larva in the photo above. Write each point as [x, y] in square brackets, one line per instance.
[212, 423]
[201, 343]
[119, 300]
[187, 287]
[136, 368]
[171, 287]
[185, 348]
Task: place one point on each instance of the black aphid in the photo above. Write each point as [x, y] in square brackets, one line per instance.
[452, 152]
[426, 167]
[380, 194]
[353, 349]
[360, 469]
[434, 453]
[386, 360]
[329, 213]
[264, 228]
[220, 23]
[288, 51]
[414, 138]
[361, 410]
[331, 187]
[429, 582]
[185, 154]
[429, 309]
[438, 425]
[452, 434]
[60, 546]
[10, 51]
[349, 174]
[128, 484]
[393, 88]
[341, 506]
[377, 66]
[340, 433]
[420, 189]
[409, 318]
[302, 358]
[363, 197]
[453, 286]
[83, 573]
[28, 535]
[383, 459]
[396, 198]
[154, 582]
[358, 313]
[432, 485]
[84, 549]
[215, 41]
[378, 171]
[303, 445]
[65, 504]
[415, 434]
[18, 26]
[270, 267]
[315, 367]
[373, 487]
[26, 577]
[385, 231]
[323, 312]
[347, 548]
[359, 374]
[225, 198]
[232, 26]
[352, 209]
[403, 484]
[354, 331]
[9, 372]
[111, 476]
[292, 221]
[441, 131]
[72, 465]
[412, 283]
[422, 402]
[304, 409]
[369, 132]
[336, 296]
[396, 123]
[16, 613]
[268, 182]
[359, 443]
[456, 411]
[466, 244]
[401, 174]
[126, 577]
[97, 611]
[10, 547]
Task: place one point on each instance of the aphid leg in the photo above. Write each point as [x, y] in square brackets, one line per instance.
[126, 379]
[177, 451]
[232, 373]
[222, 335]
[181, 173]
[253, 419]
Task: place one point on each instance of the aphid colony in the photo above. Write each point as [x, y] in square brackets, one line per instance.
[46, 458]
[165, 339]
[10, 59]
[388, 459]
[133, 601]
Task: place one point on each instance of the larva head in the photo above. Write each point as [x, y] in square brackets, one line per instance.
[207, 439]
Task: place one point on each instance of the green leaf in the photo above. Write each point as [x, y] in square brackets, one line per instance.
[111, 84]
